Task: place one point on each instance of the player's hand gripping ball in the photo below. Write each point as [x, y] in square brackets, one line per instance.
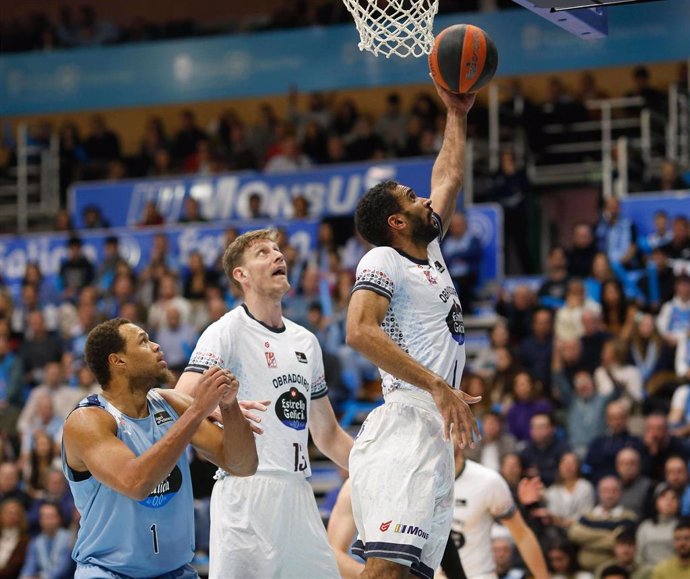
[464, 59]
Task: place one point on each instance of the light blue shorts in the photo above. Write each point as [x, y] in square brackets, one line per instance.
[87, 571]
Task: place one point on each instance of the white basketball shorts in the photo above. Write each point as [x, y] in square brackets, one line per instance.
[267, 526]
[402, 474]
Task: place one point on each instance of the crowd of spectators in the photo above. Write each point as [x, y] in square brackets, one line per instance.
[83, 27]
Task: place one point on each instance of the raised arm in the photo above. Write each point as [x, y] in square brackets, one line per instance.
[91, 443]
[365, 314]
[449, 169]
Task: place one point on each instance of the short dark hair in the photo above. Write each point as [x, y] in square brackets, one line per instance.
[614, 571]
[373, 211]
[626, 537]
[103, 340]
[683, 523]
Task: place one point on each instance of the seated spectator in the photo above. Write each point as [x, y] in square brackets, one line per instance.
[42, 420]
[648, 352]
[47, 291]
[624, 557]
[653, 98]
[614, 374]
[501, 382]
[241, 155]
[38, 348]
[14, 537]
[668, 178]
[571, 496]
[679, 415]
[617, 236]
[53, 385]
[77, 271]
[484, 363]
[57, 492]
[50, 553]
[661, 234]
[494, 444]
[657, 284]
[601, 273]
[593, 338]
[10, 487]
[585, 407]
[102, 144]
[198, 278]
[187, 138]
[536, 350]
[11, 388]
[655, 534]
[527, 402]
[676, 476]
[679, 565]
[289, 158]
[563, 562]
[568, 322]
[110, 263]
[660, 444]
[543, 450]
[503, 550]
[168, 295]
[362, 142]
[637, 487]
[551, 294]
[602, 452]
[617, 314]
[517, 308]
[204, 160]
[41, 458]
[30, 301]
[151, 216]
[673, 321]
[462, 250]
[595, 532]
[191, 212]
[678, 247]
[581, 254]
[176, 339]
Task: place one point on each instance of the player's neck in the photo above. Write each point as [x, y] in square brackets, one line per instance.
[128, 399]
[409, 247]
[268, 311]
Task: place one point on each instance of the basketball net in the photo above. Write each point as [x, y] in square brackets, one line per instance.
[400, 27]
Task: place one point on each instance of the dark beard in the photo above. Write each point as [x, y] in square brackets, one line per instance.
[421, 231]
[162, 378]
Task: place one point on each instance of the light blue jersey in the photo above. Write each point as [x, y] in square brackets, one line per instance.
[135, 538]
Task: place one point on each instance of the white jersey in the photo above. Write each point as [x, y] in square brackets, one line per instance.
[284, 366]
[481, 497]
[424, 317]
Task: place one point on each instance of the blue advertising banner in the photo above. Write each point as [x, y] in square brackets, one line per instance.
[331, 192]
[320, 58]
[49, 251]
[641, 208]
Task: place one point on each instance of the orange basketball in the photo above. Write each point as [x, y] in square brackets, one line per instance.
[464, 58]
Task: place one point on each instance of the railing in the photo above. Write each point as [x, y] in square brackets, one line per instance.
[34, 188]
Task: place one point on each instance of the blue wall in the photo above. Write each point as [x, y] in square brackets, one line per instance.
[231, 67]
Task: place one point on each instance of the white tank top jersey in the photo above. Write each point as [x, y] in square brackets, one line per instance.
[481, 497]
[424, 317]
[284, 366]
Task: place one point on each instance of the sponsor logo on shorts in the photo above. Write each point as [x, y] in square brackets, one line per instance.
[384, 526]
[162, 417]
[410, 530]
[164, 491]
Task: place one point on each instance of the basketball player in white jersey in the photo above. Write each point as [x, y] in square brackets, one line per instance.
[405, 317]
[268, 526]
[482, 496]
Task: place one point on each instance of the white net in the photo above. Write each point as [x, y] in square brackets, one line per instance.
[400, 27]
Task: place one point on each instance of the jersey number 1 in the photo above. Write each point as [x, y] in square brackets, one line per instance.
[300, 461]
[154, 532]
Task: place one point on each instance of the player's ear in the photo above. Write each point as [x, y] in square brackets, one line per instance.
[238, 274]
[396, 221]
[116, 360]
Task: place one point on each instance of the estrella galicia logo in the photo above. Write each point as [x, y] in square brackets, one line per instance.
[291, 409]
[165, 491]
[455, 323]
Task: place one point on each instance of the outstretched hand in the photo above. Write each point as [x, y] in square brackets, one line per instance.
[216, 387]
[454, 101]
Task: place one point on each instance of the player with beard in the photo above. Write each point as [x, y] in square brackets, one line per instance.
[124, 457]
[405, 316]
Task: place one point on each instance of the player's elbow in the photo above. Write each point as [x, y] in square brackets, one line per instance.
[246, 467]
[355, 336]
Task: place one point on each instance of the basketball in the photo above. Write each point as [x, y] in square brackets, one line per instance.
[464, 58]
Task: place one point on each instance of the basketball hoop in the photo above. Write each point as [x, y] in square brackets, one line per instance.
[400, 27]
